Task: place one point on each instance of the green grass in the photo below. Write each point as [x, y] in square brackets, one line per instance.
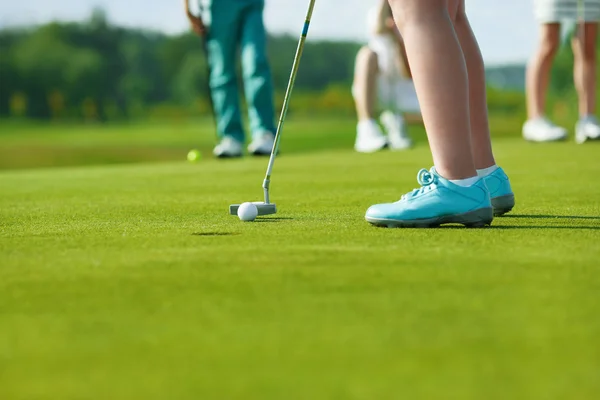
[132, 282]
[26, 145]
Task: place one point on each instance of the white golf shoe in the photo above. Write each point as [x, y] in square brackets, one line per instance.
[543, 130]
[228, 148]
[587, 128]
[262, 145]
[369, 137]
[395, 127]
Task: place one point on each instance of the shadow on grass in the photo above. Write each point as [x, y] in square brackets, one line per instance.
[215, 233]
[565, 227]
[273, 219]
[524, 227]
[535, 216]
[561, 219]
[564, 222]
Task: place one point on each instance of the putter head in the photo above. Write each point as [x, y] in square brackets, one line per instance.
[263, 208]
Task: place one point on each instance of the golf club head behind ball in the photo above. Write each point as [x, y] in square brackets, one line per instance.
[262, 207]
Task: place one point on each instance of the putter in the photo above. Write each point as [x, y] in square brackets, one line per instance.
[266, 207]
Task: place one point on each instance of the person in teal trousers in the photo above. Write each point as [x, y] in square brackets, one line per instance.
[229, 26]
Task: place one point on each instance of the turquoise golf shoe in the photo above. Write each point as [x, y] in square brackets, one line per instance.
[501, 194]
[438, 201]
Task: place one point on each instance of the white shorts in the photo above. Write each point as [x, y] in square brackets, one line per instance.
[548, 11]
[388, 56]
[394, 91]
[399, 94]
[396, 95]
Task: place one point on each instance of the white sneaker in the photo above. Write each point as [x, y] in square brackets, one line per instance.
[587, 128]
[543, 130]
[262, 145]
[228, 148]
[369, 137]
[396, 130]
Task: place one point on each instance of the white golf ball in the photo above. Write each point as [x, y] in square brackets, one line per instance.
[247, 212]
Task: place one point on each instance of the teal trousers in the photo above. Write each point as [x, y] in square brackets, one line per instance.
[237, 26]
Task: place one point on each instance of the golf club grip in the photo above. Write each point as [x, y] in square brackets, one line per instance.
[288, 93]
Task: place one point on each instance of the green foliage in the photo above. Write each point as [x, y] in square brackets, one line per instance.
[563, 96]
[506, 102]
[58, 70]
[561, 82]
[125, 72]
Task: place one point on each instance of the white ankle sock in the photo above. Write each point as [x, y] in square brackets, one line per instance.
[465, 182]
[367, 121]
[482, 173]
[587, 117]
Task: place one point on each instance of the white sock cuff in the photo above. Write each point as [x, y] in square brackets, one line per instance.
[466, 182]
[367, 121]
[482, 173]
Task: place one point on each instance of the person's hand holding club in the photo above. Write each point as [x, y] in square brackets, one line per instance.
[196, 22]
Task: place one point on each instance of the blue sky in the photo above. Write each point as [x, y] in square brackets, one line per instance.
[506, 28]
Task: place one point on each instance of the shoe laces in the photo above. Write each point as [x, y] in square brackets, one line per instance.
[427, 179]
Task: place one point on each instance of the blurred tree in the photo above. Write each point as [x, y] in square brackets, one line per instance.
[18, 105]
[40, 60]
[140, 80]
[56, 103]
[9, 76]
[188, 84]
[562, 70]
[176, 56]
[62, 68]
[98, 20]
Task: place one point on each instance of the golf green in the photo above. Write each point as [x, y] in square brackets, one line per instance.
[133, 282]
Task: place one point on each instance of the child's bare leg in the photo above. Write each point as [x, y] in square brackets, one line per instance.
[440, 76]
[584, 50]
[538, 72]
[365, 80]
[369, 137]
[480, 129]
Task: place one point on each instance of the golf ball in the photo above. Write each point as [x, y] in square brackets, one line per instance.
[194, 156]
[247, 212]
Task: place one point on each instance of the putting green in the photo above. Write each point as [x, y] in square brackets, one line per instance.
[133, 282]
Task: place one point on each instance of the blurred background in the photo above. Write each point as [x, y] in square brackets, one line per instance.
[111, 81]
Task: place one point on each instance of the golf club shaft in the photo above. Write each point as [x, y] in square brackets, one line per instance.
[286, 100]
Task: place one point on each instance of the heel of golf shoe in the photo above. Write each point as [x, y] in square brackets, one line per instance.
[474, 219]
[503, 204]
